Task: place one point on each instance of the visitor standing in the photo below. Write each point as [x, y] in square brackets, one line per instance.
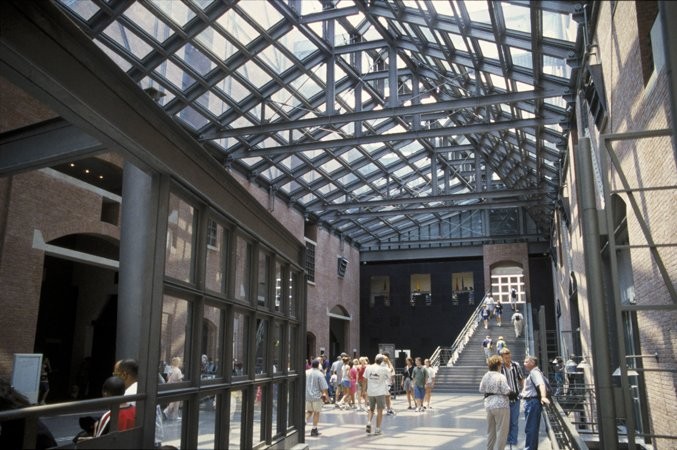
[495, 388]
[377, 376]
[513, 374]
[535, 397]
[316, 394]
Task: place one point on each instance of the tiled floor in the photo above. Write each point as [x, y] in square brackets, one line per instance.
[456, 421]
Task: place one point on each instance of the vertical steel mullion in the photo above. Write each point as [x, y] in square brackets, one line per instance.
[605, 175]
[595, 293]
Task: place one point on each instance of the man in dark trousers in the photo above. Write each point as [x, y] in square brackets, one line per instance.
[513, 373]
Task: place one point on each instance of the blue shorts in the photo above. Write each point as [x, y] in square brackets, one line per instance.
[419, 392]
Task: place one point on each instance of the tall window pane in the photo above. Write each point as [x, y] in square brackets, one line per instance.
[175, 333]
[258, 433]
[215, 254]
[240, 331]
[206, 431]
[261, 340]
[171, 425]
[262, 285]
[292, 348]
[236, 420]
[180, 235]
[278, 286]
[212, 336]
[293, 292]
[242, 268]
[276, 342]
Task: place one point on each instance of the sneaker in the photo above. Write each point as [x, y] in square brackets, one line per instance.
[369, 428]
[314, 432]
[410, 407]
[377, 432]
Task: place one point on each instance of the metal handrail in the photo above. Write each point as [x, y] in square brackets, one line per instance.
[561, 432]
[461, 340]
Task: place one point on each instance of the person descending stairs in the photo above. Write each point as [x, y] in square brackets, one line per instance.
[467, 372]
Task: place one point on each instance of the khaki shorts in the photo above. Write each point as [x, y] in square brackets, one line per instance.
[379, 402]
[314, 405]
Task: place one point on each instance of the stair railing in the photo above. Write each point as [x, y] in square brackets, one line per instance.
[449, 355]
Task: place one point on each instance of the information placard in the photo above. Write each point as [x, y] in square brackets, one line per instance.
[26, 374]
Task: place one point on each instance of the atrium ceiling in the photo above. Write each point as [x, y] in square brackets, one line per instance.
[395, 124]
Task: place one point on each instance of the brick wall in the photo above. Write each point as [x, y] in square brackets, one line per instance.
[637, 102]
[36, 201]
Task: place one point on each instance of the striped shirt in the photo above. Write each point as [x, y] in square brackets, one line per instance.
[514, 376]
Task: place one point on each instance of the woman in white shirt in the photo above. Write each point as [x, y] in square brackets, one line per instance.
[495, 388]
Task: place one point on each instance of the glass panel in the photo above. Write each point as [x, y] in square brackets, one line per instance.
[380, 291]
[279, 425]
[242, 268]
[197, 60]
[261, 339]
[278, 286]
[148, 22]
[206, 431]
[212, 336]
[179, 251]
[128, 40]
[236, 420]
[262, 286]
[171, 429]
[172, 422]
[240, 332]
[277, 347]
[237, 27]
[293, 292]
[292, 349]
[290, 400]
[258, 433]
[179, 13]
[175, 336]
[215, 257]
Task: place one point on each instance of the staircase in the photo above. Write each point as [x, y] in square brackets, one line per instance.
[466, 374]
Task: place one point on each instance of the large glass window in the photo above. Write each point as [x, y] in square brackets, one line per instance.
[262, 285]
[180, 236]
[243, 255]
[292, 348]
[212, 337]
[420, 289]
[294, 278]
[279, 425]
[175, 334]
[206, 431]
[258, 433]
[379, 293]
[236, 420]
[278, 286]
[261, 363]
[215, 264]
[240, 336]
[462, 288]
[276, 344]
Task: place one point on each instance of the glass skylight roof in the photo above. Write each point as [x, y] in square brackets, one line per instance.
[302, 97]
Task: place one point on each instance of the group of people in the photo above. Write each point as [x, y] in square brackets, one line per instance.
[417, 382]
[488, 311]
[505, 385]
[358, 385]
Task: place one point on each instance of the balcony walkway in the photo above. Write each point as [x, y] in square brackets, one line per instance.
[456, 421]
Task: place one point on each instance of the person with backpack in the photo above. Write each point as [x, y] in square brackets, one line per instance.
[500, 345]
[535, 396]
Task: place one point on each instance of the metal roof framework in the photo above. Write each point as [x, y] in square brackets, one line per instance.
[395, 124]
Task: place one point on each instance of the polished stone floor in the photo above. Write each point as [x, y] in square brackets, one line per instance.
[456, 421]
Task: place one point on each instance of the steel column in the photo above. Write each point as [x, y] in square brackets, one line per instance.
[606, 411]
